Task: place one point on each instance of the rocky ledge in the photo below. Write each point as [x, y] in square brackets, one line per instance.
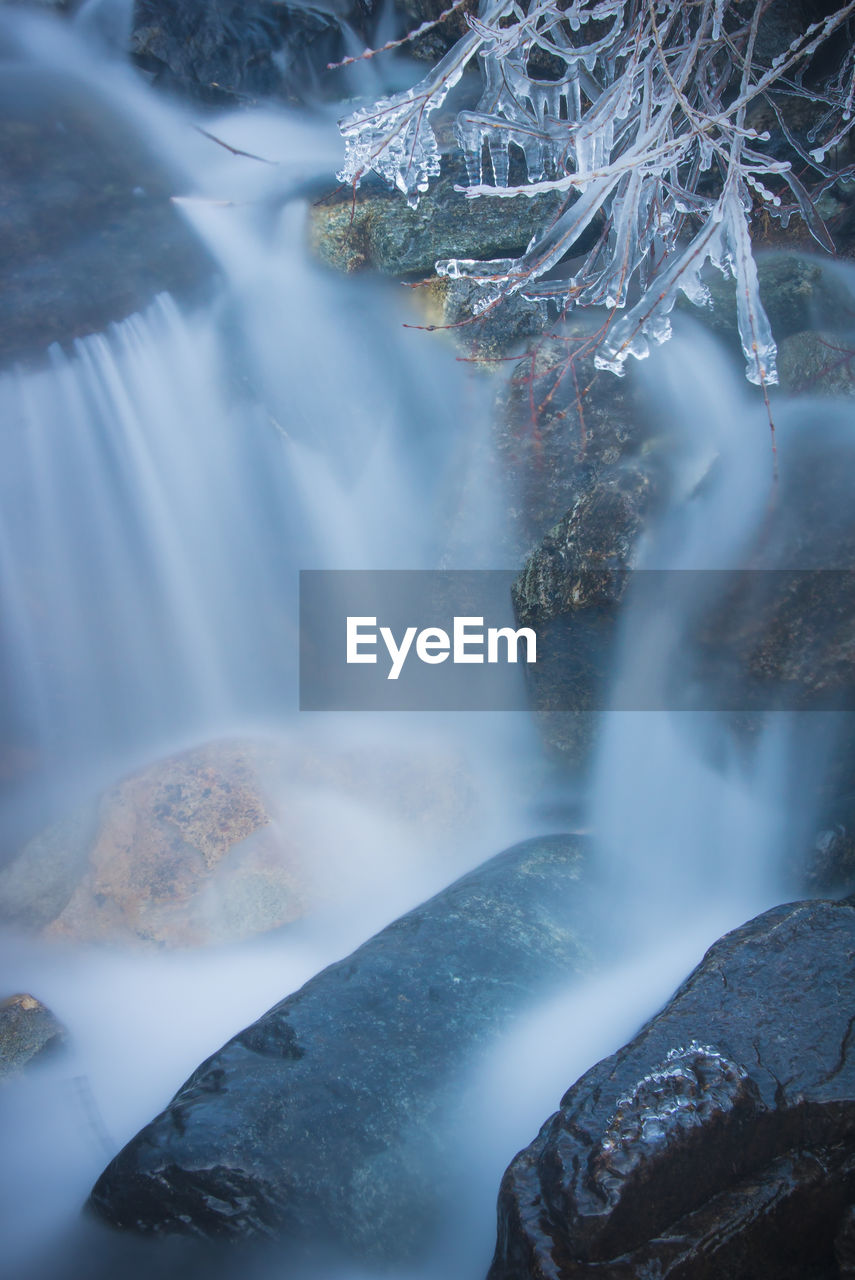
[330, 1119]
[721, 1140]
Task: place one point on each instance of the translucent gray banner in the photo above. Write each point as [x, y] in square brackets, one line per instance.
[480, 640]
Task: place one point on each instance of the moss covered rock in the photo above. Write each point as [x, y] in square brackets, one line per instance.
[28, 1030]
[376, 229]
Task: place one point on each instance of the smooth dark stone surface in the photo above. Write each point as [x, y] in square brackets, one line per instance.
[88, 232]
[328, 1119]
[721, 1140]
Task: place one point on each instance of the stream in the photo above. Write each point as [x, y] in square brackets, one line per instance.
[163, 483]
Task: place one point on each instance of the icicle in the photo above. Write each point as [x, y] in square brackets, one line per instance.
[394, 136]
[498, 148]
[718, 13]
[755, 332]
[471, 269]
[623, 247]
[652, 100]
[468, 130]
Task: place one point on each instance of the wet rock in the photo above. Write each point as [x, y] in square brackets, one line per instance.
[37, 885]
[830, 865]
[783, 21]
[378, 230]
[221, 50]
[800, 291]
[53, 6]
[328, 1119]
[434, 43]
[844, 1245]
[817, 363]
[778, 635]
[588, 464]
[235, 838]
[563, 426]
[568, 591]
[27, 1030]
[486, 337]
[184, 853]
[718, 1142]
[227, 50]
[88, 233]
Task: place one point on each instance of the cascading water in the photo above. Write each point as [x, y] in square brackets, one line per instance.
[676, 826]
[163, 483]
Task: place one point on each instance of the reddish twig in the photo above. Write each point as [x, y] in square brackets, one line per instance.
[396, 44]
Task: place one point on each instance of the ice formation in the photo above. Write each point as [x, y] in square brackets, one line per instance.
[640, 112]
[693, 1084]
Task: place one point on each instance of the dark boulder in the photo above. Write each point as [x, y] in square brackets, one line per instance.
[800, 291]
[721, 1140]
[222, 50]
[88, 232]
[590, 470]
[329, 1119]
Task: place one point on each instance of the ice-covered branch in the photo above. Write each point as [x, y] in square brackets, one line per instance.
[644, 124]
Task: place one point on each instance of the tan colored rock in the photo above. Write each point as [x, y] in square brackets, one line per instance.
[185, 853]
[235, 838]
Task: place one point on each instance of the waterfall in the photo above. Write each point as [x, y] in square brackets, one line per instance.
[163, 483]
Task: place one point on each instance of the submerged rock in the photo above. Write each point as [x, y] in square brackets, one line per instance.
[718, 1142]
[329, 1119]
[37, 884]
[28, 1029]
[234, 838]
[817, 363]
[88, 233]
[181, 853]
